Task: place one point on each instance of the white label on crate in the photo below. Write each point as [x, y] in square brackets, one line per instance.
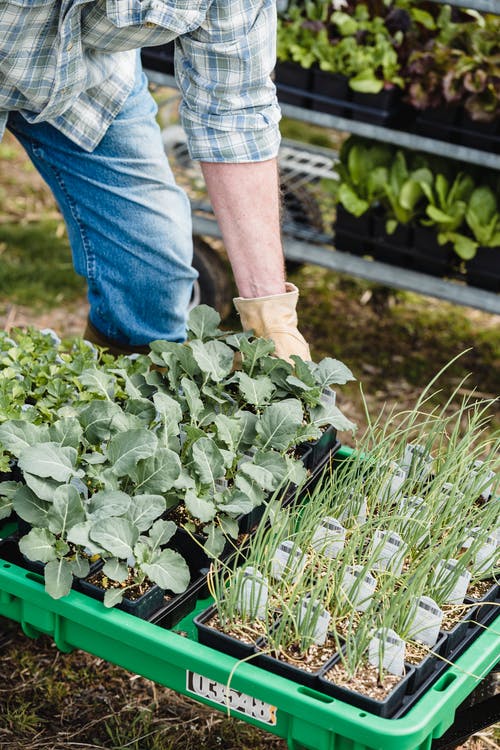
[487, 555]
[288, 558]
[242, 703]
[445, 571]
[253, 594]
[389, 551]
[387, 649]
[485, 481]
[357, 507]
[329, 537]
[426, 623]
[309, 614]
[417, 461]
[393, 481]
[358, 587]
[328, 397]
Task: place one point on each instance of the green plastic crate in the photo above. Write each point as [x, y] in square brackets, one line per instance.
[305, 718]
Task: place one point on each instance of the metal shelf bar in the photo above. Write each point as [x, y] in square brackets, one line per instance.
[372, 270]
[398, 137]
[484, 6]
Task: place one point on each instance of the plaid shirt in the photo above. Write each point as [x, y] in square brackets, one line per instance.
[71, 63]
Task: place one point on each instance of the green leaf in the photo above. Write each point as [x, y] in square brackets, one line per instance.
[253, 351]
[208, 461]
[49, 460]
[58, 578]
[229, 430]
[352, 202]
[259, 474]
[203, 322]
[127, 448]
[158, 473]
[66, 509]
[113, 596]
[16, 435]
[79, 535]
[213, 358]
[279, 423]
[161, 533]
[145, 509]
[169, 410]
[106, 503]
[229, 526]
[256, 391]
[98, 381]
[201, 508]
[330, 415]
[39, 545]
[115, 535]
[216, 541]
[169, 570]
[66, 432]
[80, 567]
[237, 503]
[141, 408]
[29, 507]
[192, 395]
[331, 371]
[464, 247]
[101, 419]
[42, 487]
[116, 570]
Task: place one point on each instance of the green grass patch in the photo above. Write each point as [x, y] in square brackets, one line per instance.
[37, 268]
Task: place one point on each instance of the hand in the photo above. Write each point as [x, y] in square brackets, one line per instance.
[275, 317]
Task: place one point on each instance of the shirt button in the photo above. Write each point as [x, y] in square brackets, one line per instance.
[69, 47]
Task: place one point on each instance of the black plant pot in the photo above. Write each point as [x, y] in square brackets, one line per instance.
[488, 606]
[429, 669]
[378, 109]
[160, 58]
[461, 635]
[481, 135]
[439, 122]
[141, 607]
[429, 256]
[289, 670]
[220, 641]
[180, 605]
[353, 234]
[483, 270]
[396, 248]
[384, 708]
[293, 84]
[313, 453]
[330, 92]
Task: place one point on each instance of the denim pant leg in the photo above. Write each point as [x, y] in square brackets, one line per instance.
[129, 225]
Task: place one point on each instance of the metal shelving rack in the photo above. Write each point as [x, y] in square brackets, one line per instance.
[318, 247]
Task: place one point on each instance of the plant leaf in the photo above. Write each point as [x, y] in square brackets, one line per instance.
[115, 535]
[213, 358]
[279, 423]
[16, 435]
[42, 487]
[208, 461]
[29, 507]
[158, 473]
[107, 503]
[101, 419]
[66, 509]
[58, 578]
[332, 372]
[112, 597]
[201, 508]
[169, 570]
[256, 391]
[116, 570]
[66, 432]
[39, 545]
[145, 509]
[203, 322]
[127, 448]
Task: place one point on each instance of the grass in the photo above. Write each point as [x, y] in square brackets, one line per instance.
[393, 341]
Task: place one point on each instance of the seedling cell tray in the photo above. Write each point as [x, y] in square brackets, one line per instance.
[307, 719]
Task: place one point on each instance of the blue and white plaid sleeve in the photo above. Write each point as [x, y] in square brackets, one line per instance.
[229, 107]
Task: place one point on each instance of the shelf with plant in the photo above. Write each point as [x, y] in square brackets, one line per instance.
[418, 67]
[424, 212]
[385, 545]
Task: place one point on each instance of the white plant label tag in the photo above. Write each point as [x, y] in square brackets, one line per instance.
[221, 485]
[417, 461]
[485, 481]
[450, 490]
[427, 620]
[357, 508]
[393, 482]
[289, 559]
[220, 693]
[329, 537]
[487, 555]
[308, 614]
[390, 551]
[253, 594]
[415, 510]
[359, 587]
[387, 649]
[328, 397]
[444, 570]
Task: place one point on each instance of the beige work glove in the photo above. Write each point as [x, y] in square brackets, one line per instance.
[275, 317]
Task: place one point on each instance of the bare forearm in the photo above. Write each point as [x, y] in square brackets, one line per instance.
[246, 201]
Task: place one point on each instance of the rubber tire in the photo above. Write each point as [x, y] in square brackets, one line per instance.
[214, 286]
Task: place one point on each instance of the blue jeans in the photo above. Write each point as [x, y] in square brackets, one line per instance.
[129, 225]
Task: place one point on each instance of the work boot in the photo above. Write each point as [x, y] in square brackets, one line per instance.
[95, 336]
